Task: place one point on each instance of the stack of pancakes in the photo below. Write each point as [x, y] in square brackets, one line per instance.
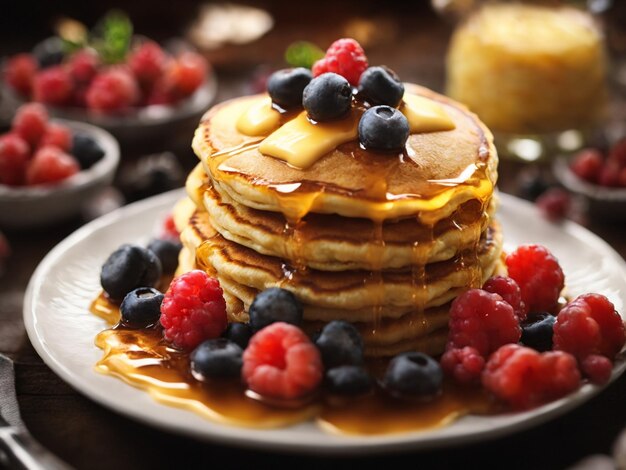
[384, 241]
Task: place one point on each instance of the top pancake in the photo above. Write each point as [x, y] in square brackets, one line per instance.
[437, 172]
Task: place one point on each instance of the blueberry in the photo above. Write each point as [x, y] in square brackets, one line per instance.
[531, 185]
[537, 333]
[413, 375]
[327, 97]
[150, 175]
[348, 380]
[86, 150]
[49, 52]
[380, 85]
[238, 333]
[167, 251]
[273, 305]
[383, 128]
[286, 86]
[127, 268]
[340, 344]
[216, 358]
[141, 307]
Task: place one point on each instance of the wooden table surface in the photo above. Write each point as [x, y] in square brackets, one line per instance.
[89, 436]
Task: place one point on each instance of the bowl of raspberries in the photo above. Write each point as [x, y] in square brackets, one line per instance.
[111, 78]
[50, 167]
[599, 176]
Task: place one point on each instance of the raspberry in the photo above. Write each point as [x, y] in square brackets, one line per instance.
[113, 90]
[193, 310]
[83, 65]
[169, 228]
[554, 204]
[344, 57]
[53, 86]
[30, 123]
[525, 378]
[609, 175]
[14, 154]
[617, 153]
[510, 292]
[587, 164]
[161, 93]
[19, 73]
[58, 136]
[79, 97]
[186, 74]
[538, 275]
[148, 62]
[621, 178]
[588, 325]
[597, 368]
[281, 362]
[483, 321]
[50, 165]
[464, 365]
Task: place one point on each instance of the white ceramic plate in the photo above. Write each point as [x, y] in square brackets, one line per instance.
[62, 331]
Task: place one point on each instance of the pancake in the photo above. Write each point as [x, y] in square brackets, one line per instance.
[426, 331]
[333, 243]
[384, 241]
[438, 172]
[349, 290]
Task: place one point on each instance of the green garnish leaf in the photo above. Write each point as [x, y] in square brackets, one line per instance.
[112, 37]
[303, 54]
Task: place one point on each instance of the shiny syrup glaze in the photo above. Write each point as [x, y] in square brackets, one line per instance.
[143, 359]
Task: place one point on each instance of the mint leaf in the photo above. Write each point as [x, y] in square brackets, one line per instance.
[303, 54]
[112, 37]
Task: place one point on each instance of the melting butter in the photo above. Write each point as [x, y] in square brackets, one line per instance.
[425, 115]
[301, 142]
[260, 119]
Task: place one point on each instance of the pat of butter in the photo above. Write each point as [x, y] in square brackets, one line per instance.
[259, 119]
[301, 143]
[425, 115]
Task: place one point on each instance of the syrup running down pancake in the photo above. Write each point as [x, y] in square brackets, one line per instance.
[383, 240]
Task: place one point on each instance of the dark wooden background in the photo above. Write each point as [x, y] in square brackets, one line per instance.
[89, 436]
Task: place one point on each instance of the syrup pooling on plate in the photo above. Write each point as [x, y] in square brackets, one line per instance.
[144, 360]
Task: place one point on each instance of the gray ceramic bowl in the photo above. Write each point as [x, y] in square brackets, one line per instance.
[603, 202]
[37, 206]
[141, 125]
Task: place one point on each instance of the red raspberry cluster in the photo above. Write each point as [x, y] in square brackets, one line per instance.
[485, 326]
[554, 204]
[280, 360]
[525, 378]
[608, 170]
[36, 151]
[149, 76]
[345, 57]
[193, 310]
[539, 276]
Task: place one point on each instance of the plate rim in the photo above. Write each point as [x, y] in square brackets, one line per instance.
[255, 438]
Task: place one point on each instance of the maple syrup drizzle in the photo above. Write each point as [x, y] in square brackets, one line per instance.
[144, 360]
[141, 358]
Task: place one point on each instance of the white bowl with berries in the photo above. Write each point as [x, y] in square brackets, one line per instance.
[50, 168]
[127, 84]
[600, 177]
